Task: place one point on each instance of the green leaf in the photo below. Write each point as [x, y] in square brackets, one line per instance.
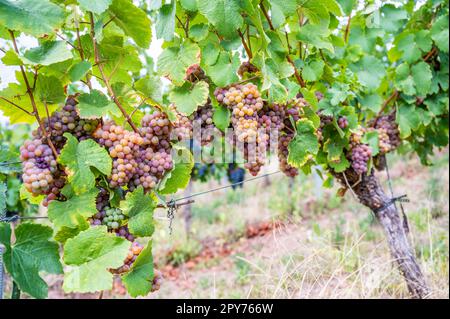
[11, 58]
[89, 256]
[47, 53]
[133, 21]
[79, 70]
[222, 117]
[347, 6]
[198, 32]
[179, 177]
[32, 253]
[313, 70]
[138, 280]
[9, 161]
[187, 99]
[407, 119]
[30, 16]
[422, 76]
[189, 5]
[165, 22]
[304, 143]
[372, 102]
[370, 71]
[50, 90]
[70, 215]
[224, 15]
[372, 139]
[139, 208]
[95, 105]
[174, 61]
[281, 10]
[407, 45]
[439, 33]
[97, 6]
[310, 97]
[151, 87]
[223, 72]
[80, 158]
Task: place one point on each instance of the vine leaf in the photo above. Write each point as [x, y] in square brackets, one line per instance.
[407, 119]
[30, 16]
[50, 90]
[174, 61]
[69, 217]
[165, 22]
[33, 252]
[47, 53]
[79, 158]
[187, 98]
[223, 72]
[179, 177]
[422, 76]
[133, 21]
[77, 71]
[223, 14]
[139, 208]
[95, 104]
[150, 87]
[97, 6]
[222, 117]
[138, 280]
[304, 143]
[439, 33]
[89, 255]
[11, 58]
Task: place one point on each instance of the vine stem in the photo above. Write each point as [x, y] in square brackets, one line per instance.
[105, 79]
[288, 58]
[16, 105]
[347, 28]
[247, 49]
[31, 96]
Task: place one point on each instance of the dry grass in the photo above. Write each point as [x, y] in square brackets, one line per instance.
[332, 249]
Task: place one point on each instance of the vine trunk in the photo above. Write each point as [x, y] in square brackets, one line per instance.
[371, 194]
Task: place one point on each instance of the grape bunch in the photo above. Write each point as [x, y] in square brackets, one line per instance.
[123, 146]
[204, 128]
[342, 122]
[195, 73]
[112, 217]
[156, 130]
[151, 167]
[133, 254]
[271, 120]
[245, 102]
[387, 126]
[359, 153]
[39, 167]
[66, 120]
[182, 128]
[157, 280]
[283, 153]
[246, 67]
[124, 232]
[360, 156]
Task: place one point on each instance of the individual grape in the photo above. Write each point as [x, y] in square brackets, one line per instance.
[195, 73]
